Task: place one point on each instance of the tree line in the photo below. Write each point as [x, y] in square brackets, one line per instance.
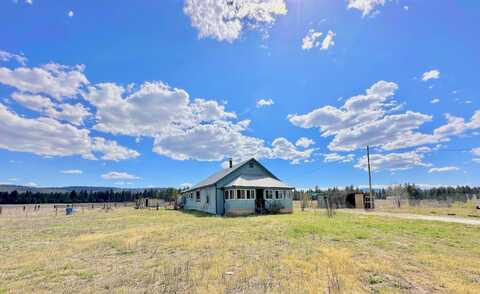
[83, 196]
[407, 191]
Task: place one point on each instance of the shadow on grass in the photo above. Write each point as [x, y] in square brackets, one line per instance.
[196, 213]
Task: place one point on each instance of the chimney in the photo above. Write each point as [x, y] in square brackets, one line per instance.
[230, 163]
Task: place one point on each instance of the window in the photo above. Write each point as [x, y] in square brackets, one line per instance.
[197, 196]
[208, 198]
[252, 194]
[225, 194]
[240, 194]
[250, 164]
[268, 194]
[277, 194]
[248, 194]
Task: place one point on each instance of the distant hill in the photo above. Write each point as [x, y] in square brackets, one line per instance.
[23, 189]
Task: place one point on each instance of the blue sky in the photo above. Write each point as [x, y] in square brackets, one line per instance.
[161, 93]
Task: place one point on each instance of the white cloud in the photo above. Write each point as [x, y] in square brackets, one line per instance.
[304, 142]
[45, 136]
[311, 40]
[367, 120]
[334, 157]
[406, 8]
[392, 161]
[264, 102]
[366, 6]
[152, 110]
[55, 80]
[185, 185]
[74, 113]
[111, 150]
[443, 169]
[328, 41]
[72, 172]
[434, 101]
[225, 20]
[284, 149]
[433, 74]
[424, 149]
[477, 160]
[457, 125]
[114, 175]
[31, 184]
[7, 56]
[70, 13]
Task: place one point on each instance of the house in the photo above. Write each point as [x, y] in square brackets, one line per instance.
[241, 189]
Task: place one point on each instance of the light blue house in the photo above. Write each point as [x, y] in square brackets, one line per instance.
[242, 189]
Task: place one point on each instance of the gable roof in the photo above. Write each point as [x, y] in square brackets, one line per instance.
[213, 179]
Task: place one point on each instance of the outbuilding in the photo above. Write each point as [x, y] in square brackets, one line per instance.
[241, 189]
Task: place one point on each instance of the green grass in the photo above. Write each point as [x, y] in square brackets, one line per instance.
[149, 251]
[459, 209]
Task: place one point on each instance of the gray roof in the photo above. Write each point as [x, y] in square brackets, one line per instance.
[213, 179]
[257, 182]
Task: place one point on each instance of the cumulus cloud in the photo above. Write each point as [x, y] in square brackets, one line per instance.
[366, 6]
[311, 40]
[457, 125]
[7, 56]
[434, 101]
[154, 108]
[367, 120]
[443, 169]
[70, 13]
[335, 157]
[73, 113]
[429, 75]
[264, 102]
[392, 161]
[304, 142]
[57, 81]
[114, 175]
[72, 172]
[44, 136]
[284, 149]
[111, 150]
[225, 20]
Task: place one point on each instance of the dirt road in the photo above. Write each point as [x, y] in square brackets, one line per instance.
[448, 219]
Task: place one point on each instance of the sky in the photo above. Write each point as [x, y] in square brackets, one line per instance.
[162, 93]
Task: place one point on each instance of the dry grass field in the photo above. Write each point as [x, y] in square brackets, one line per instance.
[164, 251]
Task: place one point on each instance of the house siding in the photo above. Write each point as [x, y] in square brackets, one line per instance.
[202, 205]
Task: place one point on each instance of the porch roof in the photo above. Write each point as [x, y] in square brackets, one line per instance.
[257, 182]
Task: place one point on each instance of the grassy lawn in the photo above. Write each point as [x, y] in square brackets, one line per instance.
[142, 251]
[459, 209]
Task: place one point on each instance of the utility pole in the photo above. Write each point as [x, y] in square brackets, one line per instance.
[369, 178]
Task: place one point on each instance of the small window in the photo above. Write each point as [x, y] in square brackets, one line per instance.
[208, 198]
[248, 194]
[225, 194]
[252, 194]
[277, 194]
[268, 194]
[197, 196]
[240, 194]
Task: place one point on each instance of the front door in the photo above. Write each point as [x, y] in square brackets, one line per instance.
[259, 201]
